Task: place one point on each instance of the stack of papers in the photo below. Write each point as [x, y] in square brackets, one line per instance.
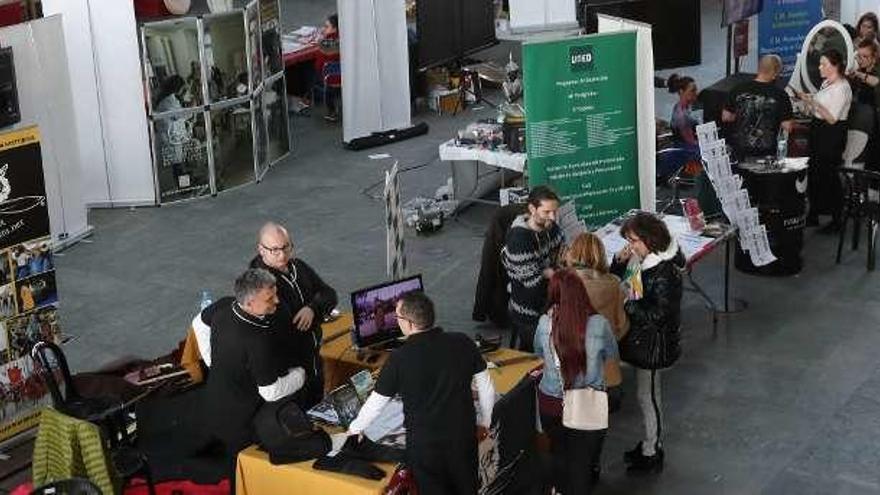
[734, 199]
[569, 223]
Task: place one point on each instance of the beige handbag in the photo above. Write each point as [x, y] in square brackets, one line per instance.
[582, 408]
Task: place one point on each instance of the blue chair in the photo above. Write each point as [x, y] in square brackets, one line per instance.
[331, 80]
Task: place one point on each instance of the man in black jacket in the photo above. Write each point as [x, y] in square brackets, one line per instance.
[302, 293]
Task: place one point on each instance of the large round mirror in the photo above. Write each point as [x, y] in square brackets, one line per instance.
[824, 36]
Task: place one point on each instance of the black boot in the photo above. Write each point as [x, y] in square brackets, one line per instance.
[646, 463]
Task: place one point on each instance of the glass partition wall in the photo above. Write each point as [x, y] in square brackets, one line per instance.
[216, 101]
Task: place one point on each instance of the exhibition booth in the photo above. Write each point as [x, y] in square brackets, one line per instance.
[193, 105]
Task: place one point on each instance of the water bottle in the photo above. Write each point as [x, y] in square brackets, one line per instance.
[206, 300]
[782, 147]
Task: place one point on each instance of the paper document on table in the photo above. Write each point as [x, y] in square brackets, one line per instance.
[305, 31]
[692, 243]
[569, 223]
[795, 164]
[613, 243]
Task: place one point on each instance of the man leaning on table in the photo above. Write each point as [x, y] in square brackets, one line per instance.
[305, 296]
[433, 373]
[248, 359]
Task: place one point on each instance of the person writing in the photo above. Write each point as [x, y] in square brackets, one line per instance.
[657, 311]
[304, 295]
[830, 108]
[575, 342]
[433, 373]
[758, 110]
[529, 254]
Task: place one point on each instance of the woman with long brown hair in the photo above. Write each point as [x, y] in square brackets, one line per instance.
[586, 256]
[574, 341]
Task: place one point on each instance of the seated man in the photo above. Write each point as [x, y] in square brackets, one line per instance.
[302, 294]
[432, 372]
[758, 109]
[248, 359]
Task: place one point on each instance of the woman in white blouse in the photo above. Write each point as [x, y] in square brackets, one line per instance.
[829, 107]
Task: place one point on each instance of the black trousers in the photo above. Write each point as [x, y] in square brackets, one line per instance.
[522, 335]
[574, 454]
[827, 143]
[445, 469]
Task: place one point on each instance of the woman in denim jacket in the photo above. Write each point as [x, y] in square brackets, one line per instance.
[575, 342]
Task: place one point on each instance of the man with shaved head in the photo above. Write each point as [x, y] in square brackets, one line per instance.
[757, 110]
[301, 292]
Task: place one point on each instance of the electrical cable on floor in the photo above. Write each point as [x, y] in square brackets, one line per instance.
[367, 191]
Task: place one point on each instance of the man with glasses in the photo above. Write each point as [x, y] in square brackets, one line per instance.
[301, 292]
[433, 373]
[757, 110]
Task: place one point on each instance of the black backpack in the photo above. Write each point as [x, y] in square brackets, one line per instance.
[286, 433]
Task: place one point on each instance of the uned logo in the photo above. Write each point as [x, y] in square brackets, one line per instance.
[581, 58]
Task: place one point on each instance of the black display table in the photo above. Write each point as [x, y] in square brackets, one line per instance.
[780, 196]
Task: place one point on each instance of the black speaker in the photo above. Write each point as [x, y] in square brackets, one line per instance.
[9, 110]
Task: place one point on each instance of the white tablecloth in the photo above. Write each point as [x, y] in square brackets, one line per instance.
[449, 152]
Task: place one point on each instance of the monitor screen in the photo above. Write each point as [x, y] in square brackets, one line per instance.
[373, 311]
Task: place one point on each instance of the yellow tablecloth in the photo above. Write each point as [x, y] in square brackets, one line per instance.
[256, 476]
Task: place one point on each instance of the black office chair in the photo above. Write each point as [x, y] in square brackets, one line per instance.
[109, 413]
[861, 202]
[73, 486]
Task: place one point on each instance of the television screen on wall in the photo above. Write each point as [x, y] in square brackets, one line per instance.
[448, 30]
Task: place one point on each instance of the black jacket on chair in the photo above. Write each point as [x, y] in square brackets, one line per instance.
[490, 299]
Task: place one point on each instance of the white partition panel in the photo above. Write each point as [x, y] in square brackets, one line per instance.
[375, 67]
[46, 100]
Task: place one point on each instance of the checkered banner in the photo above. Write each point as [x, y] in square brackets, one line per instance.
[395, 255]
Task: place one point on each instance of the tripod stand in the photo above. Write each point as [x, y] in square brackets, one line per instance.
[471, 86]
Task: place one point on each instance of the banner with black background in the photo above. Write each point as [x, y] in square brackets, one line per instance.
[28, 293]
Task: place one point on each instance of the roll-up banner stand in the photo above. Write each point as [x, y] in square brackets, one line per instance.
[582, 123]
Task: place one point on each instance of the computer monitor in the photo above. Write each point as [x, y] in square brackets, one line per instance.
[373, 311]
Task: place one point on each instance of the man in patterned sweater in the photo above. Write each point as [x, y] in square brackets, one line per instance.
[529, 256]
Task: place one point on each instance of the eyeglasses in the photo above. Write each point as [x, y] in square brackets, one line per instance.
[633, 240]
[277, 250]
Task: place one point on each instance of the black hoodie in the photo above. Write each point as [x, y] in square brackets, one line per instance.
[298, 288]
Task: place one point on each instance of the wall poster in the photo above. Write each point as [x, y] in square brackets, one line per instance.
[28, 294]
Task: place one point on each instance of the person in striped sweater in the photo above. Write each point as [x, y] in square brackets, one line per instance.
[529, 256]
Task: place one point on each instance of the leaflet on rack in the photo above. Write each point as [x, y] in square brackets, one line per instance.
[734, 199]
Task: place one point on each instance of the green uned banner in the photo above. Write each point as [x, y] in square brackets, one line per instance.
[580, 96]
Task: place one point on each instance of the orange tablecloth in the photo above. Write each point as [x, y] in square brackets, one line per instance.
[256, 476]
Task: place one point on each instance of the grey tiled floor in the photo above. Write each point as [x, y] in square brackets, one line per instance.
[782, 399]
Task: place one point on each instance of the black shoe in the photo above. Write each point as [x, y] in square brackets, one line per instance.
[630, 455]
[647, 463]
[595, 473]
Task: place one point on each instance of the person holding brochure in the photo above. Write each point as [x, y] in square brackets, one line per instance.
[655, 322]
[830, 108]
[433, 373]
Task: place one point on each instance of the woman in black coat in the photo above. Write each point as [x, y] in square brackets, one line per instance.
[657, 313]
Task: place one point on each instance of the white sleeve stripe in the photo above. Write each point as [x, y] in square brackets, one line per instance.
[368, 413]
[485, 396]
[203, 338]
[283, 386]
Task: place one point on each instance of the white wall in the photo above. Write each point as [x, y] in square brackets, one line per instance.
[46, 100]
[84, 85]
[103, 46]
[850, 10]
